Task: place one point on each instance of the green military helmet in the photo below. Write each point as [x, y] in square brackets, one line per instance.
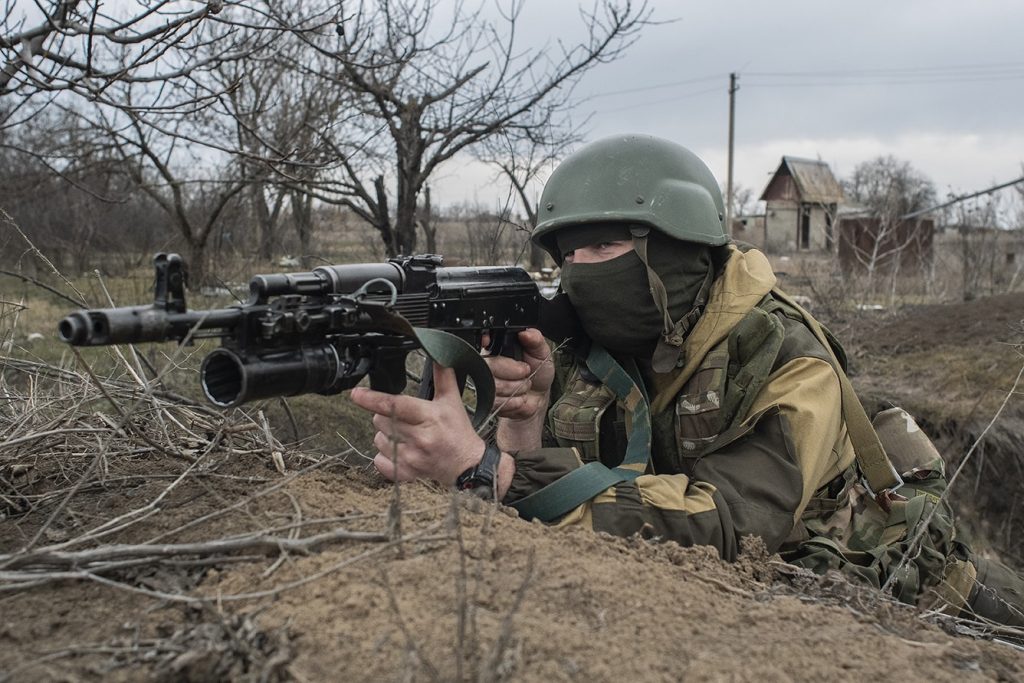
[636, 179]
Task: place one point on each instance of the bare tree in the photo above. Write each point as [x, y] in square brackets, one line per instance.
[427, 85]
[488, 237]
[52, 46]
[988, 245]
[523, 157]
[278, 107]
[743, 201]
[888, 189]
[217, 107]
[426, 223]
[70, 195]
[206, 142]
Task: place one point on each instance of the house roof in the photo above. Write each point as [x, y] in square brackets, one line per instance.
[814, 180]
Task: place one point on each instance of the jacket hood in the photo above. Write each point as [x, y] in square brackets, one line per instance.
[745, 280]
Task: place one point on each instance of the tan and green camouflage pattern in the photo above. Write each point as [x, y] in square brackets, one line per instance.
[997, 594]
[697, 500]
[861, 538]
[748, 437]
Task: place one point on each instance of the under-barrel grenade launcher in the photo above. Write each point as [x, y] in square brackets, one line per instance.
[322, 331]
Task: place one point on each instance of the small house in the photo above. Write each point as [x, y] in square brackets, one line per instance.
[868, 243]
[801, 201]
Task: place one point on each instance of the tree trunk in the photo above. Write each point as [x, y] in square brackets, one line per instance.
[538, 257]
[427, 222]
[302, 213]
[405, 224]
[382, 218]
[197, 266]
[264, 223]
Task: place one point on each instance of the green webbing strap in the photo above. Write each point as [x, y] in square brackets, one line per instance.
[441, 347]
[452, 352]
[572, 490]
[638, 446]
[583, 483]
[871, 458]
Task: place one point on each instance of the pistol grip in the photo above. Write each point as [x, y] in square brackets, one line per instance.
[505, 343]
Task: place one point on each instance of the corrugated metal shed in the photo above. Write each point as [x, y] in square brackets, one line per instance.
[814, 182]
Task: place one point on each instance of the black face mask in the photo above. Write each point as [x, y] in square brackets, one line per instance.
[614, 301]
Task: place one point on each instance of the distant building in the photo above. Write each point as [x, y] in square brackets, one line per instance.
[990, 260]
[801, 201]
[869, 243]
[749, 229]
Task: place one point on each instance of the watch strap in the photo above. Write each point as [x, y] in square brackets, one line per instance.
[481, 478]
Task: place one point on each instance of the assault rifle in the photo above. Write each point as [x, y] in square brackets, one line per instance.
[323, 331]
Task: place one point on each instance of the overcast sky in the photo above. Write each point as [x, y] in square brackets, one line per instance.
[935, 82]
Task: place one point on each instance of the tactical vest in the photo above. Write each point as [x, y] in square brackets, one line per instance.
[708, 410]
[843, 527]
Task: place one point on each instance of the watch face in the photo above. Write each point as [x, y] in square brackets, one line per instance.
[475, 479]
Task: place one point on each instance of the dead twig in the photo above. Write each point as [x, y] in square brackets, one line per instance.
[410, 642]
[45, 558]
[492, 671]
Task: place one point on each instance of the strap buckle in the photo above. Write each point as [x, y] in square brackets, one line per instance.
[882, 497]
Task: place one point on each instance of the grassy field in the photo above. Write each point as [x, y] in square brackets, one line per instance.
[28, 321]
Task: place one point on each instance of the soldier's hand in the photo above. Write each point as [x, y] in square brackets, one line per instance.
[420, 439]
[522, 387]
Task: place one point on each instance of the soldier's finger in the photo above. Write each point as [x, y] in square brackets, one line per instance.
[446, 385]
[394, 459]
[507, 388]
[388, 443]
[510, 406]
[508, 368]
[391, 469]
[405, 408]
[534, 344]
[385, 424]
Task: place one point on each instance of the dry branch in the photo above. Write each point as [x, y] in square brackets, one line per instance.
[85, 559]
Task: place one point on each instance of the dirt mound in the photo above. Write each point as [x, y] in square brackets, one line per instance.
[954, 368]
[454, 589]
[172, 543]
[990, 320]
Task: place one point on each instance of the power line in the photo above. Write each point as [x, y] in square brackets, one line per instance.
[684, 96]
[910, 75]
[659, 86]
[962, 198]
[916, 81]
[892, 70]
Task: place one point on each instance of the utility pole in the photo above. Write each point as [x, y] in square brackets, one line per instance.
[733, 87]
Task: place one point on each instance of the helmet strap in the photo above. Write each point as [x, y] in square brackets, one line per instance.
[670, 345]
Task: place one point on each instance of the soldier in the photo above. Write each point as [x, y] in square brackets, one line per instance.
[697, 403]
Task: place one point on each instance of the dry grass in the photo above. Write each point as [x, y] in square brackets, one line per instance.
[103, 455]
[114, 475]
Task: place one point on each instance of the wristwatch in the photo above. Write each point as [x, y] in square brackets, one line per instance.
[481, 478]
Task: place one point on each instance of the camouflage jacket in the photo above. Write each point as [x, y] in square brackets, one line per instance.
[748, 437]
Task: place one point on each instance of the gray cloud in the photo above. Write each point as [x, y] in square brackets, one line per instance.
[877, 77]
